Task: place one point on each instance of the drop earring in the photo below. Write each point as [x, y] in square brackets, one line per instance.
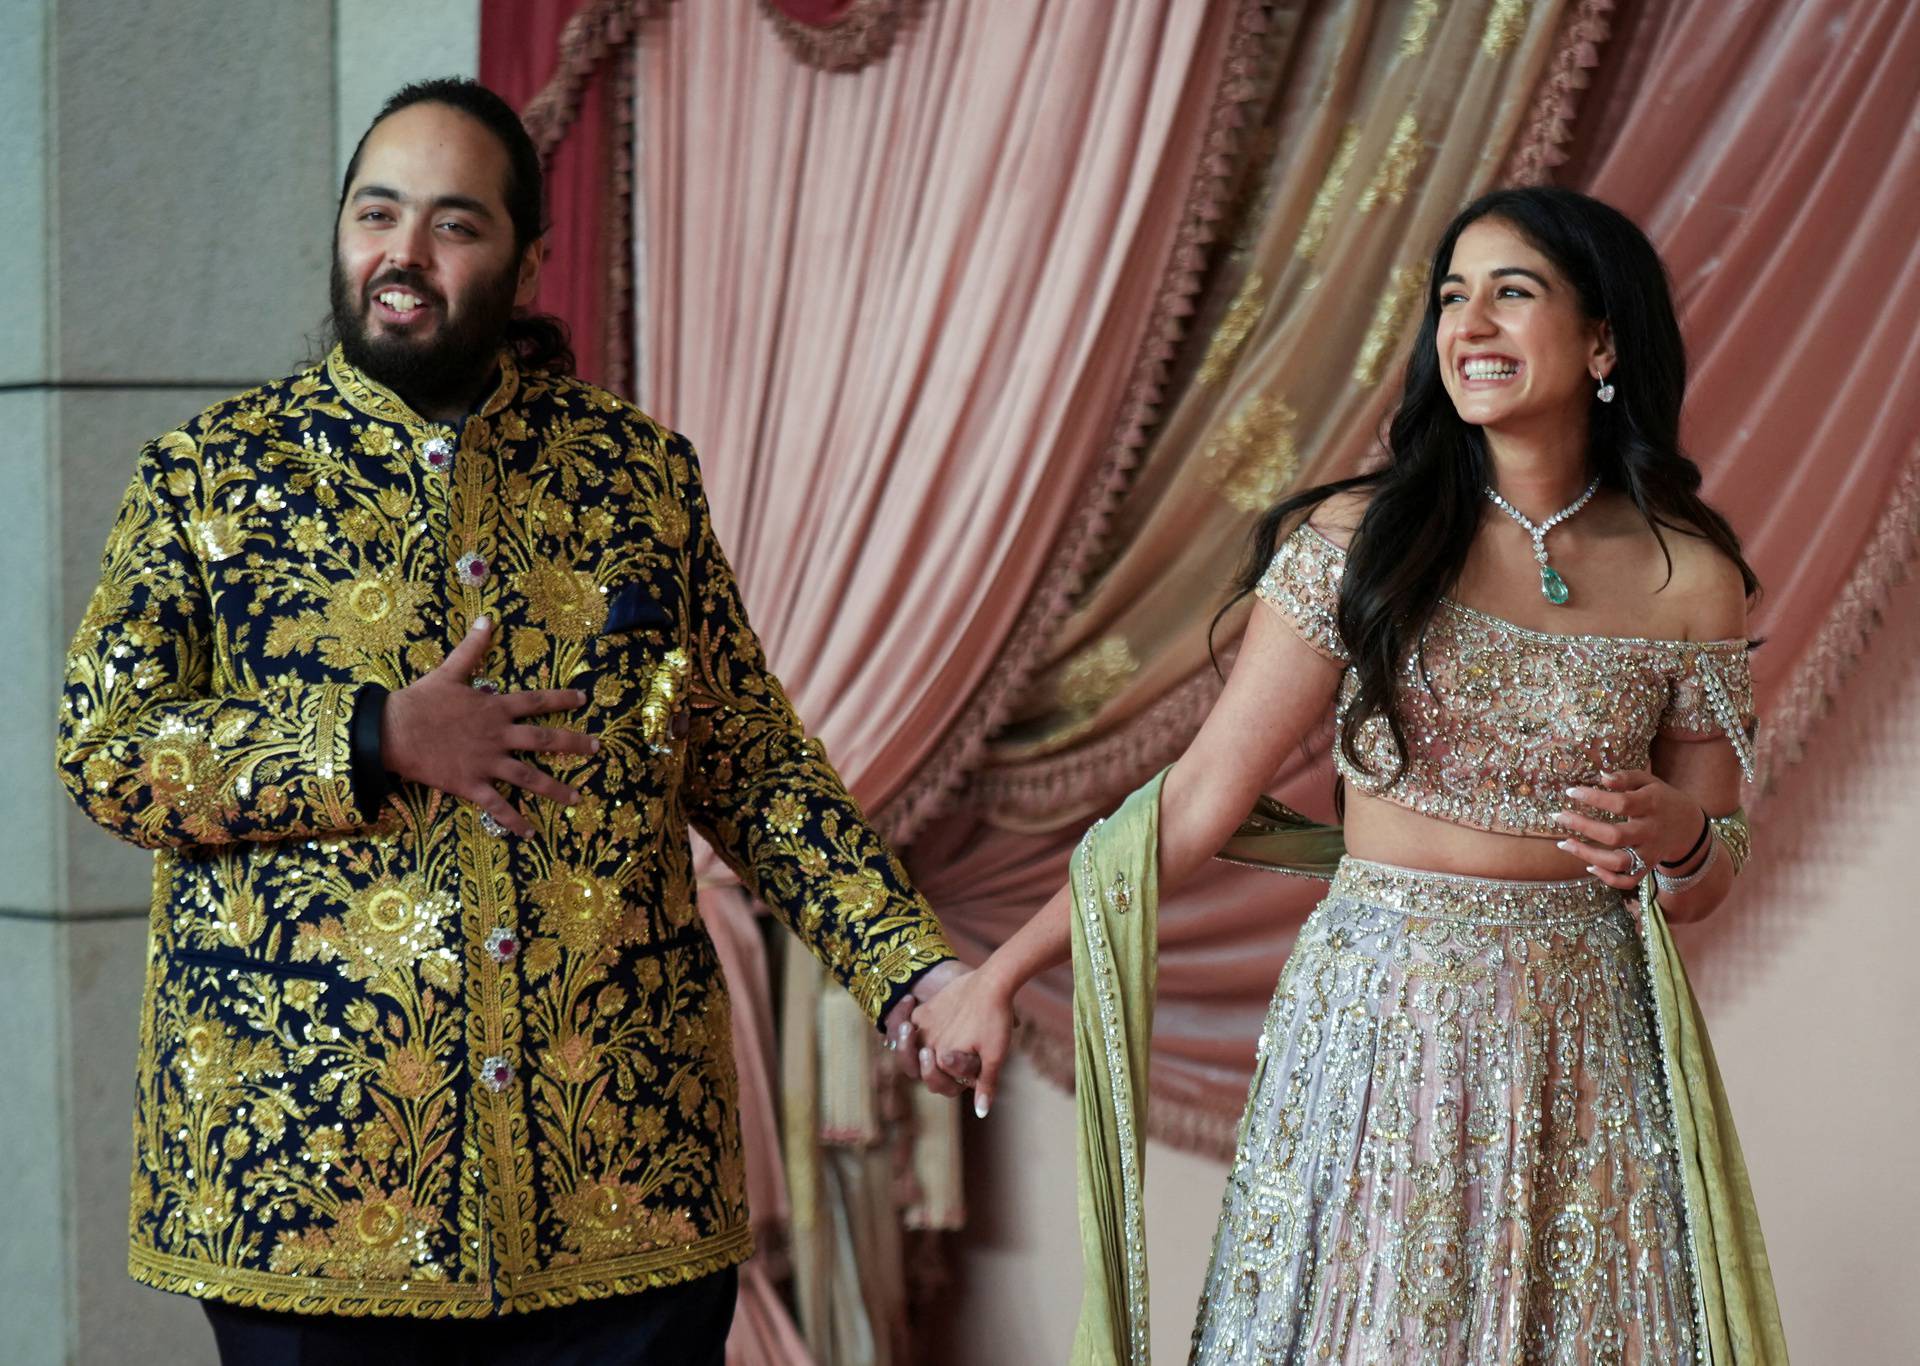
[1605, 392]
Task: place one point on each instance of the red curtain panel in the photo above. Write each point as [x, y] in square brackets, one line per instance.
[522, 46]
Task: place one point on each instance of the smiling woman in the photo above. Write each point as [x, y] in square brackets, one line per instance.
[1470, 1128]
[1541, 296]
[1515, 347]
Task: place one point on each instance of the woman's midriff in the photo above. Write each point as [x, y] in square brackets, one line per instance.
[1381, 832]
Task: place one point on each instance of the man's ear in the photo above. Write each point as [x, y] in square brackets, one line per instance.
[528, 284]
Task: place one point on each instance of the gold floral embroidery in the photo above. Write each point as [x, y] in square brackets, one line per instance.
[567, 602]
[1506, 22]
[1248, 304]
[1418, 27]
[1253, 456]
[1393, 177]
[391, 1063]
[389, 924]
[577, 910]
[1097, 673]
[377, 1237]
[1313, 232]
[1390, 315]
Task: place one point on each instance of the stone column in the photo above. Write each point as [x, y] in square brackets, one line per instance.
[169, 175]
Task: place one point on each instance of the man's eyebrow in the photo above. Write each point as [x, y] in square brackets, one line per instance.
[465, 203]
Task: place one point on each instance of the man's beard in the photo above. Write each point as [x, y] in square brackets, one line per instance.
[443, 370]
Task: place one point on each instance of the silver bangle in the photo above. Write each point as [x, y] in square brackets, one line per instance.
[1669, 885]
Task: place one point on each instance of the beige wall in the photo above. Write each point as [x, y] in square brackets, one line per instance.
[1808, 982]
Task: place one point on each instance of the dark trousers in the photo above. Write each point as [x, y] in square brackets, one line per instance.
[677, 1325]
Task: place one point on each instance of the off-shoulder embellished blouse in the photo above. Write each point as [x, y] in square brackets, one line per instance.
[1502, 720]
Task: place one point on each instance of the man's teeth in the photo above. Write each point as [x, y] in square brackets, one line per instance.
[1491, 369]
[398, 301]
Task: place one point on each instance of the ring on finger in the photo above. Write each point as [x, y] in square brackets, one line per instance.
[1636, 866]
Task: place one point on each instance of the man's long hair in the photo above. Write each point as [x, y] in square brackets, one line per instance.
[540, 341]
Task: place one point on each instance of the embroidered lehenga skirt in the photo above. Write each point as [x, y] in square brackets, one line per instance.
[1458, 1146]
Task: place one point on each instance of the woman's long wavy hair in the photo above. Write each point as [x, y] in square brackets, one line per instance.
[1427, 501]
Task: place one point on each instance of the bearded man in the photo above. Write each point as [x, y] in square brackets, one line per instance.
[414, 668]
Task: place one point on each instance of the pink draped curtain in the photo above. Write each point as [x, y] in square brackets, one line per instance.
[1769, 149]
[906, 314]
[838, 35]
[580, 124]
[821, 13]
[899, 311]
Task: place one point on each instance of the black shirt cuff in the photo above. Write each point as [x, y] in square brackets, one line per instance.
[370, 785]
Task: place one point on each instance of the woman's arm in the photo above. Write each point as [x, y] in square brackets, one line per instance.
[1279, 691]
[1693, 774]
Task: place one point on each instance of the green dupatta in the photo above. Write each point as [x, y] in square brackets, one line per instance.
[1733, 1282]
[1115, 877]
[1115, 881]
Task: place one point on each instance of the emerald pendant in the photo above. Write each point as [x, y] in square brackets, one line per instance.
[1552, 587]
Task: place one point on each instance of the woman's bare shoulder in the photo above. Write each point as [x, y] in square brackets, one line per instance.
[1338, 518]
[1708, 582]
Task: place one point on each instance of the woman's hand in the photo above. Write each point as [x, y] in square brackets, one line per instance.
[904, 1043]
[971, 1018]
[1661, 822]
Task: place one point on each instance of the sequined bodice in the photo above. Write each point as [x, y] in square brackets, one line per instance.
[1500, 720]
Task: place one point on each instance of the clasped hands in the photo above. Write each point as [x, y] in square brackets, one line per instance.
[944, 1071]
[1658, 820]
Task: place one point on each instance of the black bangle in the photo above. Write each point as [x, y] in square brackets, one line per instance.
[368, 775]
[1706, 829]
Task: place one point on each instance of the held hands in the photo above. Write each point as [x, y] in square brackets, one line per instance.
[966, 1033]
[1661, 823]
[956, 1071]
[444, 733]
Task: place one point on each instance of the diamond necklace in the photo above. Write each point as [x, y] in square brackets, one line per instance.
[1552, 586]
